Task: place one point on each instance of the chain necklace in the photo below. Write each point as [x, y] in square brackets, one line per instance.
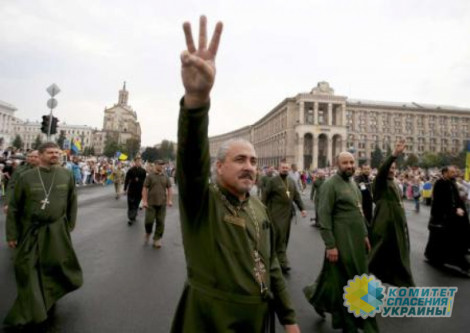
[46, 201]
[259, 269]
[358, 202]
[286, 185]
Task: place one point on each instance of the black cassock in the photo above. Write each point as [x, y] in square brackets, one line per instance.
[448, 232]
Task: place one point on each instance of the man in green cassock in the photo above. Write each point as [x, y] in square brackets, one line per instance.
[32, 161]
[315, 194]
[41, 215]
[343, 229]
[279, 196]
[390, 256]
[234, 282]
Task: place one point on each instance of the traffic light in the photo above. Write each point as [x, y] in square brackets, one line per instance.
[45, 124]
[54, 125]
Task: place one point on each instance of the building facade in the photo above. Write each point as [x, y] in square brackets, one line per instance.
[120, 121]
[310, 129]
[7, 119]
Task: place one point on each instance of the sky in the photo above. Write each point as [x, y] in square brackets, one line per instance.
[395, 50]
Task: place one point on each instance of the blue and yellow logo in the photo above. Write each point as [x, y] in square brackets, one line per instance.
[363, 296]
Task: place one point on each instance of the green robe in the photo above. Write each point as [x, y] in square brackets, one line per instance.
[19, 170]
[221, 293]
[46, 267]
[315, 192]
[281, 210]
[343, 227]
[390, 257]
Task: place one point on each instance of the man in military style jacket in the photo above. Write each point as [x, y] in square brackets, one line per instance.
[41, 215]
[279, 196]
[234, 282]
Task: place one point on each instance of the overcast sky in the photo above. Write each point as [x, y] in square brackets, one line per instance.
[396, 50]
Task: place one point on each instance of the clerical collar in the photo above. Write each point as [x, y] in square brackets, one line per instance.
[47, 168]
[232, 199]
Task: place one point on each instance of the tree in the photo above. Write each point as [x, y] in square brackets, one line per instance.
[167, 150]
[132, 147]
[376, 157]
[151, 154]
[111, 147]
[443, 159]
[37, 143]
[389, 151]
[428, 160]
[18, 142]
[412, 160]
[89, 151]
[61, 139]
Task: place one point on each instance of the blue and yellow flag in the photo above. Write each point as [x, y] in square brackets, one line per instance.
[467, 163]
[76, 145]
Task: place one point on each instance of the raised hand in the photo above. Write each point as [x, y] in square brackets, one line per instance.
[399, 148]
[198, 65]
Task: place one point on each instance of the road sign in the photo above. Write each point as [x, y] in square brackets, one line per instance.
[53, 89]
[52, 103]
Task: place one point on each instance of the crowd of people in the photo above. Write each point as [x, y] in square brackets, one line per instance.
[235, 242]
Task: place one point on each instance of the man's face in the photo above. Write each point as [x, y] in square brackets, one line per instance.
[365, 170]
[33, 158]
[50, 156]
[237, 173]
[346, 165]
[137, 163]
[158, 168]
[294, 167]
[452, 173]
[321, 175]
[284, 169]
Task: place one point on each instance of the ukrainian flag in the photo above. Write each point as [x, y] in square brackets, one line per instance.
[76, 145]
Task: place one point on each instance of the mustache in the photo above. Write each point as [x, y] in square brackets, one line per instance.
[246, 175]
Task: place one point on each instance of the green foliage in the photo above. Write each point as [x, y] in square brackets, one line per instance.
[37, 143]
[132, 147]
[61, 139]
[18, 142]
[151, 154]
[376, 157]
[412, 160]
[167, 150]
[111, 147]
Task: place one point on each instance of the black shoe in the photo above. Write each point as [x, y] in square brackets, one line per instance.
[285, 269]
[130, 222]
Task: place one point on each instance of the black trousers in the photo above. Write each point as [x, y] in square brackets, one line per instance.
[133, 202]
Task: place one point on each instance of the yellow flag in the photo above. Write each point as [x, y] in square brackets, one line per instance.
[122, 157]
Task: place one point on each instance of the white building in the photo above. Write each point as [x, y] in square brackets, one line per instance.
[7, 119]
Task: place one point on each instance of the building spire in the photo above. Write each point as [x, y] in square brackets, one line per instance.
[123, 95]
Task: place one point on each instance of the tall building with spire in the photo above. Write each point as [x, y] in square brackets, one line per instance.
[120, 121]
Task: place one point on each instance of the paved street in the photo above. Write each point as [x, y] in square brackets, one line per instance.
[130, 287]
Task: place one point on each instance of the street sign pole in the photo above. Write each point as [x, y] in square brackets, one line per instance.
[52, 90]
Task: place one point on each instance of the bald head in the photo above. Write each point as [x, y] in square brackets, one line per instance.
[346, 164]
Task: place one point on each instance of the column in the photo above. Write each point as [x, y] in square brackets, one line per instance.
[330, 114]
[329, 156]
[343, 115]
[301, 112]
[315, 113]
[315, 151]
[300, 151]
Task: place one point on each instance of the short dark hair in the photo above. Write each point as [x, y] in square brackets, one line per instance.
[42, 148]
[444, 170]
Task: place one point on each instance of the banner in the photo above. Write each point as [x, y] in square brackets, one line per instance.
[76, 145]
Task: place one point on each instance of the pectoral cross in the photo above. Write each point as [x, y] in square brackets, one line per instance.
[44, 203]
[260, 271]
[288, 193]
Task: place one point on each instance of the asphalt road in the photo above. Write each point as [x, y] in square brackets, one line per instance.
[132, 287]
